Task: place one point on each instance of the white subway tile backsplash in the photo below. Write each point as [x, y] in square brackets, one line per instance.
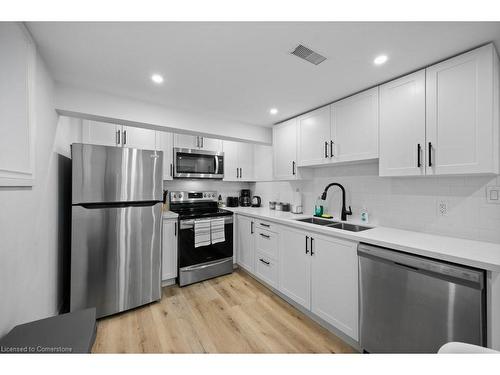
[406, 203]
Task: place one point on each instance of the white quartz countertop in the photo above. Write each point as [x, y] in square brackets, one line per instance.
[478, 254]
[169, 215]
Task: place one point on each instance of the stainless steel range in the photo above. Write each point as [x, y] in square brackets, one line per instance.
[205, 241]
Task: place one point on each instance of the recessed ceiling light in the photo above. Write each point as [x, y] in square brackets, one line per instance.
[273, 111]
[379, 60]
[156, 78]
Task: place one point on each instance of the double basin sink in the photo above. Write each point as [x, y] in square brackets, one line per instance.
[334, 224]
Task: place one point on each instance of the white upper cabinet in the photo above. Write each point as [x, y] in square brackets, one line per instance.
[17, 59]
[144, 139]
[101, 133]
[334, 285]
[164, 142]
[285, 150]
[314, 137]
[462, 114]
[354, 127]
[238, 161]
[195, 141]
[402, 126]
[295, 266]
[262, 165]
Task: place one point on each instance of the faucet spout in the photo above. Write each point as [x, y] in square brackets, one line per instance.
[344, 212]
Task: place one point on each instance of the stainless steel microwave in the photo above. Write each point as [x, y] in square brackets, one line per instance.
[194, 163]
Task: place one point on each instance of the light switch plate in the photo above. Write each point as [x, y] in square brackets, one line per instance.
[493, 194]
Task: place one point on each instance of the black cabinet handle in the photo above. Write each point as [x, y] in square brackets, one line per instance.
[124, 137]
[237, 172]
[241, 173]
[430, 154]
[293, 167]
[263, 261]
[171, 170]
[118, 137]
[326, 149]
[312, 251]
[265, 225]
[331, 148]
[175, 229]
[307, 250]
[419, 164]
[265, 235]
[251, 227]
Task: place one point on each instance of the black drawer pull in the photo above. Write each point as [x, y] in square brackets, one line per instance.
[326, 149]
[419, 164]
[265, 225]
[430, 154]
[265, 262]
[265, 235]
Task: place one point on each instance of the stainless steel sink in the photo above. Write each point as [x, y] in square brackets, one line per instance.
[317, 221]
[349, 227]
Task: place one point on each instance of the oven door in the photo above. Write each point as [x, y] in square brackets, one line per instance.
[193, 163]
[190, 256]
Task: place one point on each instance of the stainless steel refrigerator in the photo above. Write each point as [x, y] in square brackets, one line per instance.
[116, 227]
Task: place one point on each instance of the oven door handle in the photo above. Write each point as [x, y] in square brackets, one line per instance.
[200, 267]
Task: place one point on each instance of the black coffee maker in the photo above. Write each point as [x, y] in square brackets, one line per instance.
[245, 198]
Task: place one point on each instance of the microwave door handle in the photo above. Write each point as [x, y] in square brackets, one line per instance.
[216, 164]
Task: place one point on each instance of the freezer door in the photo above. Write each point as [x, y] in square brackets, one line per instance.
[115, 257]
[115, 174]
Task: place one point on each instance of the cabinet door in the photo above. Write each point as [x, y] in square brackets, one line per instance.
[231, 167]
[285, 150]
[462, 114]
[295, 266]
[144, 139]
[314, 137]
[402, 126]
[245, 161]
[210, 144]
[354, 133]
[186, 141]
[164, 142]
[334, 270]
[101, 133]
[246, 243]
[262, 169]
[169, 250]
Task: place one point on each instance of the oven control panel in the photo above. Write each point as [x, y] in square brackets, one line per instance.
[193, 196]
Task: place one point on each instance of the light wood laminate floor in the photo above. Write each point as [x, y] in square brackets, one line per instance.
[229, 314]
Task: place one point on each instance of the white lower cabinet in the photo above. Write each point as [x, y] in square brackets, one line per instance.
[334, 283]
[295, 266]
[169, 249]
[266, 269]
[246, 243]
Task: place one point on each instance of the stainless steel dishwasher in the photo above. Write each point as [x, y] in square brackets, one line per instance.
[412, 304]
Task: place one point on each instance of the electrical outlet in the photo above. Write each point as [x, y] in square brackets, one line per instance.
[442, 208]
[493, 194]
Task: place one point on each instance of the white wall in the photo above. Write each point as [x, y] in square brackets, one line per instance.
[406, 203]
[30, 224]
[98, 106]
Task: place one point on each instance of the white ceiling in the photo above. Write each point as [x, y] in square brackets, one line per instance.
[238, 71]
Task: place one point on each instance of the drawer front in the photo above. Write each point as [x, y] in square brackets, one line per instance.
[267, 225]
[266, 242]
[266, 269]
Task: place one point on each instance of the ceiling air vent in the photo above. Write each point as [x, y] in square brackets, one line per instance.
[307, 54]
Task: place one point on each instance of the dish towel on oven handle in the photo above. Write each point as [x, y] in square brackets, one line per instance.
[217, 230]
[201, 232]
